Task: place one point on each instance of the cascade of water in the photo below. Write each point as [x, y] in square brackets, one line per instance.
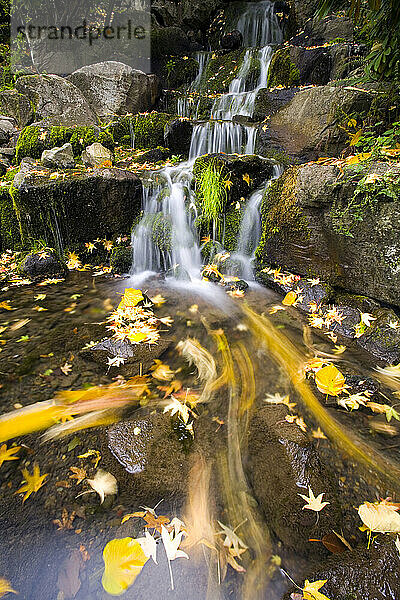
[173, 198]
[250, 233]
[188, 105]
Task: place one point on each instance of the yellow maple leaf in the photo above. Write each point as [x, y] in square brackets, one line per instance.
[130, 298]
[33, 482]
[5, 587]
[330, 380]
[123, 560]
[8, 454]
[246, 178]
[311, 590]
[289, 299]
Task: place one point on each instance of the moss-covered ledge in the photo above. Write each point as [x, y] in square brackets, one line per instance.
[146, 129]
[34, 139]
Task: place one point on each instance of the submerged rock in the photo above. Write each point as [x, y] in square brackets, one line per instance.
[56, 100]
[138, 358]
[59, 157]
[42, 265]
[150, 451]
[113, 88]
[362, 574]
[282, 463]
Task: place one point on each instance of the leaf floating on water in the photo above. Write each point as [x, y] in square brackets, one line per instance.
[5, 587]
[149, 546]
[171, 544]
[8, 454]
[330, 380]
[381, 517]
[311, 590]
[104, 484]
[33, 482]
[161, 371]
[312, 502]
[123, 560]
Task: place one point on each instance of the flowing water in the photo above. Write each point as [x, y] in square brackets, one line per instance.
[169, 200]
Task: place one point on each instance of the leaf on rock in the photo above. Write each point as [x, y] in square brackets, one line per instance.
[380, 517]
[123, 560]
[161, 371]
[312, 502]
[311, 590]
[5, 587]
[330, 380]
[289, 299]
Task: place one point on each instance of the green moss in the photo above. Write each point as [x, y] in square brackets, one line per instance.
[161, 232]
[148, 129]
[221, 70]
[9, 226]
[282, 70]
[35, 139]
[121, 259]
[232, 225]
[179, 71]
[280, 213]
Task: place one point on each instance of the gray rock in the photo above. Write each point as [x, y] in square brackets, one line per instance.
[6, 130]
[112, 88]
[362, 574]
[37, 266]
[56, 100]
[301, 235]
[308, 125]
[282, 463]
[96, 155]
[62, 157]
[138, 357]
[17, 106]
[319, 31]
[53, 209]
[150, 451]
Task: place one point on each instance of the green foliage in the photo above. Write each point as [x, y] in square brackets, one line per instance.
[369, 191]
[379, 21]
[211, 190]
[148, 129]
[371, 142]
[34, 139]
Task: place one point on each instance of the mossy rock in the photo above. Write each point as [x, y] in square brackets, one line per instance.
[9, 227]
[148, 129]
[121, 259]
[279, 212]
[222, 68]
[180, 70]
[35, 139]
[233, 217]
[282, 70]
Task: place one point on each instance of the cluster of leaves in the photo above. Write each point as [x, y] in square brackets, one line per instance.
[134, 320]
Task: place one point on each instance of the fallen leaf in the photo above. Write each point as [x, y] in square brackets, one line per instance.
[161, 371]
[312, 502]
[381, 517]
[104, 484]
[289, 299]
[33, 482]
[330, 380]
[123, 561]
[78, 474]
[8, 454]
[311, 590]
[5, 587]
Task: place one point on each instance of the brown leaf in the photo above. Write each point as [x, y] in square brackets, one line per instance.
[333, 543]
[155, 523]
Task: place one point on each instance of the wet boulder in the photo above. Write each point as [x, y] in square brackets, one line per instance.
[329, 29]
[7, 129]
[178, 136]
[232, 40]
[16, 105]
[75, 207]
[268, 102]
[42, 265]
[367, 574]
[283, 463]
[138, 358]
[153, 464]
[113, 88]
[59, 157]
[56, 101]
[308, 230]
[95, 155]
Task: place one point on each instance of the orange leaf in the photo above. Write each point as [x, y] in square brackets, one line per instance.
[330, 380]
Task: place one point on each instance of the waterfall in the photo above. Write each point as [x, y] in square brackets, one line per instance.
[250, 233]
[188, 105]
[165, 239]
